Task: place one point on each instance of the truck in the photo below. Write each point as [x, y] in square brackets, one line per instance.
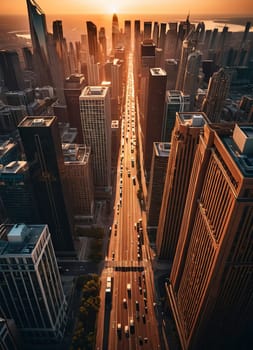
[108, 290]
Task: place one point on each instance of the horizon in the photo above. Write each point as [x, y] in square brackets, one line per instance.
[181, 7]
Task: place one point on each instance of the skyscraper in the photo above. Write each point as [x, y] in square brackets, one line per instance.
[159, 163]
[38, 30]
[210, 288]
[31, 291]
[175, 101]
[187, 48]
[217, 92]
[115, 32]
[78, 181]
[95, 113]
[185, 138]
[73, 87]
[191, 76]
[153, 120]
[17, 193]
[92, 40]
[42, 145]
[12, 73]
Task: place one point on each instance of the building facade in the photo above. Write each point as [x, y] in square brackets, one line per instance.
[78, 181]
[31, 291]
[156, 185]
[42, 146]
[185, 138]
[210, 288]
[95, 111]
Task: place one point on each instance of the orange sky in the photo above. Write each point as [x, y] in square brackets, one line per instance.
[195, 7]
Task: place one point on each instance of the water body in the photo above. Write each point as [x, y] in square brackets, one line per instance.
[75, 25]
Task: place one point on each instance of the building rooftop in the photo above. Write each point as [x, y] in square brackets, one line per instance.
[5, 146]
[94, 91]
[162, 149]
[73, 153]
[14, 167]
[40, 121]
[20, 239]
[193, 119]
[240, 147]
[157, 71]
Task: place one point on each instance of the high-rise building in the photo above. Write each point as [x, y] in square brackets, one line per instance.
[8, 151]
[191, 76]
[162, 35]
[17, 193]
[187, 48]
[38, 30]
[153, 120]
[210, 288]
[92, 40]
[175, 101]
[115, 32]
[73, 87]
[28, 58]
[171, 68]
[217, 92]
[95, 113]
[42, 146]
[103, 44]
[12, 73]
[147, 30]
[159, 164]
[127, 34]
[78, 181]
[31, 291]
[10, 117]
[184, 140]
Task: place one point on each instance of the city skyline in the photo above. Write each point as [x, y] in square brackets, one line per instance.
[17, 7]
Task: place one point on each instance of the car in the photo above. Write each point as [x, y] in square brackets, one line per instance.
[119, 329]
[137, 305]
[113, 255]
[146, 309]
[143, 318]
[131, 325]
[125, 303]
[145, 340]
[126, 330]
[140, 340]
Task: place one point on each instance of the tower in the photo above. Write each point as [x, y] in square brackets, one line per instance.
[175, 101]
[210, 289]
[92, 40]
[12, 73]
[115, 32]
[153, 119]
[73, 87]
[42, 145]
[95, 110]
[187, 48]
[161, 151]
[185, 138]
[17, 193]
[78, 181]
[38, 30]
[217, 92]
[190, 84]
[31, 291]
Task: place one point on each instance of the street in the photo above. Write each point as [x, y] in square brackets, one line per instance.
[133, 324]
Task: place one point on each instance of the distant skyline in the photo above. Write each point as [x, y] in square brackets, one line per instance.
[194, 7]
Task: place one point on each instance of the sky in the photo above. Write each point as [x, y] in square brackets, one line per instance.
[194, 7]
